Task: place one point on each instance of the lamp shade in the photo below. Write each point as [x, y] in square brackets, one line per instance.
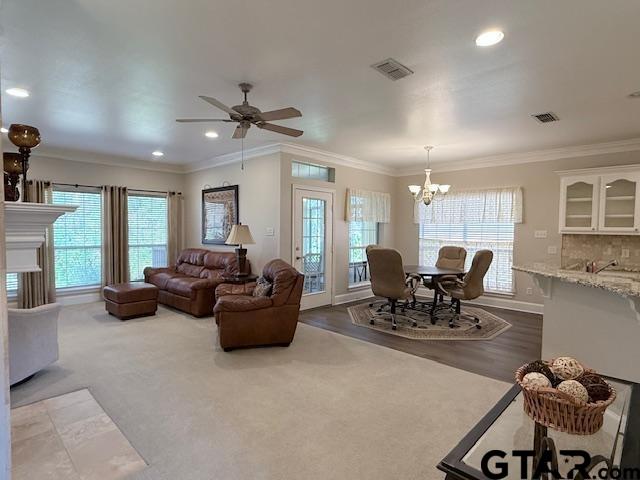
[240, 234]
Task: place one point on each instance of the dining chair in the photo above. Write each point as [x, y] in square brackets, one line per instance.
[469, 288]
[388, 280]
[448, 257]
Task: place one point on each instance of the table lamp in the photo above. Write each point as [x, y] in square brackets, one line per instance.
[240, 234]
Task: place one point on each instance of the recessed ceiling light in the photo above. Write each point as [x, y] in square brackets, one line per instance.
[17, 92]
[211, 134]
[4, 130]
[635, 94]
[157, 153]
[488, 38]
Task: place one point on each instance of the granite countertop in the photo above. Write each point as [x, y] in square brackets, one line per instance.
[620, 282]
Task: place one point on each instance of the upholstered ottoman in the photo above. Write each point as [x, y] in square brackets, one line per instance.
[131, 300]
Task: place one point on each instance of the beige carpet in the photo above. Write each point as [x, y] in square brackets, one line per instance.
[464, 328]
[328, 407]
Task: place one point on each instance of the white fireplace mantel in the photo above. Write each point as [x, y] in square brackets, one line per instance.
[25, 227]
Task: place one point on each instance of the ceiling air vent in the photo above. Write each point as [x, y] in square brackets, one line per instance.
[546, 117]
[392, 69]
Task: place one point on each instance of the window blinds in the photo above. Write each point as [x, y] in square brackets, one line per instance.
[148, 233]
[77, 239]
[474, 220]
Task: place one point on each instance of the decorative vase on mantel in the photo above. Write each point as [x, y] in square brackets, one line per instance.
[12, 166]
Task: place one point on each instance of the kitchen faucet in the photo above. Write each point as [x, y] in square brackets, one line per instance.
[610, 263]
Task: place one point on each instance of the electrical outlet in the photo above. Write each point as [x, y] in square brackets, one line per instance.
[625, 253]
[552, 250]
[529, 291]
[540, 234]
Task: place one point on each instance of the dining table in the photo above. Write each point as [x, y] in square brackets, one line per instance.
[434, 273]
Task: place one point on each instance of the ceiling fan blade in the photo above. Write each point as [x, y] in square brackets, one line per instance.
[195, 120]
[281, 114]
[219, 104]
[292, 132]
[240, 132]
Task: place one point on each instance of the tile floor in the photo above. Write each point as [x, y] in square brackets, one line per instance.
[69, 437]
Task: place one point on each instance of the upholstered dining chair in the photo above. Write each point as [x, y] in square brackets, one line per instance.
[469, 288]
[388, 279]
[448, 257]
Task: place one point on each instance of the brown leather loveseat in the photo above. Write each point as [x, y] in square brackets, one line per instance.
[190, 285]
[244, 320]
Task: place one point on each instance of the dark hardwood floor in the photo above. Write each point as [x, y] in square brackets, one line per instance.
[498, 358]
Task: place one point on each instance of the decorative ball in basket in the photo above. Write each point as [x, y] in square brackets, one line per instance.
[564, 395]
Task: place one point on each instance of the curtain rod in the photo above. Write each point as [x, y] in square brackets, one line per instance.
[77, 185]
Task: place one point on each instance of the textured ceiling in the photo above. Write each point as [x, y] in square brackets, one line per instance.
[111, 77]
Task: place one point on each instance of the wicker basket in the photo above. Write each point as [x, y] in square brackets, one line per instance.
[555, 409]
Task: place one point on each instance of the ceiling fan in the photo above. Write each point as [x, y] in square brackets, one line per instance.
[246, 115]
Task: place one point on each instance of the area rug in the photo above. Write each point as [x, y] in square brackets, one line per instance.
[464, 329]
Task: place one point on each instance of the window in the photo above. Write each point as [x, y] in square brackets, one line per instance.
[147, 233]
[313, 172]
[475, 220]
[365, 211]
[12, 284]
[361, 234]
[77, 240]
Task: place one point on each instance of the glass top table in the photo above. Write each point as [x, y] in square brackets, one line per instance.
[507, 428]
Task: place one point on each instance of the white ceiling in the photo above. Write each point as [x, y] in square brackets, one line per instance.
[111, 77]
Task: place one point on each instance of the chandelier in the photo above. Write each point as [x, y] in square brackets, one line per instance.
[429, 190]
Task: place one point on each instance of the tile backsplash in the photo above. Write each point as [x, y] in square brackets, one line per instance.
[579, 249]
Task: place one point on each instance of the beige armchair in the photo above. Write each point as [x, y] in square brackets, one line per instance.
[388, 279]
[470, 288]
[33, 340]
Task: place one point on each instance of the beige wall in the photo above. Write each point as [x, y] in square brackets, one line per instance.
[541, 190]
[344, 177]
[259, 199]
[69, 171]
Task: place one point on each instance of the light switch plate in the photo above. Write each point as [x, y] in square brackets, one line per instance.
[268, 232]
[552, 250]
[540, 234]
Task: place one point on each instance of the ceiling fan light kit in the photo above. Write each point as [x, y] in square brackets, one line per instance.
[429, 190]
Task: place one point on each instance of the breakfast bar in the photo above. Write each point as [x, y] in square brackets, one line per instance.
[594, 317]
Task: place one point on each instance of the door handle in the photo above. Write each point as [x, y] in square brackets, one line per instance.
[298, 258]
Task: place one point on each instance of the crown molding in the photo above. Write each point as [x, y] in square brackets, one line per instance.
[546, 155]
[291, 149]
[335, 158]
[233, 157]
[109, 160]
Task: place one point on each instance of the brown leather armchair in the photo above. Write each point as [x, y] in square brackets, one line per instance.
[247, 321]
[190, 285]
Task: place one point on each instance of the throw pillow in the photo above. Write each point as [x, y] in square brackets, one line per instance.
[263, 288]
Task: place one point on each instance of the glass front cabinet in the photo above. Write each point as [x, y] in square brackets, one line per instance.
[607, 203]
[579, 200]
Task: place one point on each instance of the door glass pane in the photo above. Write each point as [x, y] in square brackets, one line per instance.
[620, 204]
[313, 248]
[579, 205]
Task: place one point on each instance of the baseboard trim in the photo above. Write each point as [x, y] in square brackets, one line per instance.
[352, 296]
[485, 300]
[79, 298]
[497, 302]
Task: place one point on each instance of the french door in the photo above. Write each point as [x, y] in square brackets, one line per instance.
[313, 243]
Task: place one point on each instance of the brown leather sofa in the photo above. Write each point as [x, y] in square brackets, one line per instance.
[246, 321]
[190, 284]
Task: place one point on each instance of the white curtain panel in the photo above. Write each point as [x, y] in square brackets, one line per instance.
[367, 206]
[494, 205]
